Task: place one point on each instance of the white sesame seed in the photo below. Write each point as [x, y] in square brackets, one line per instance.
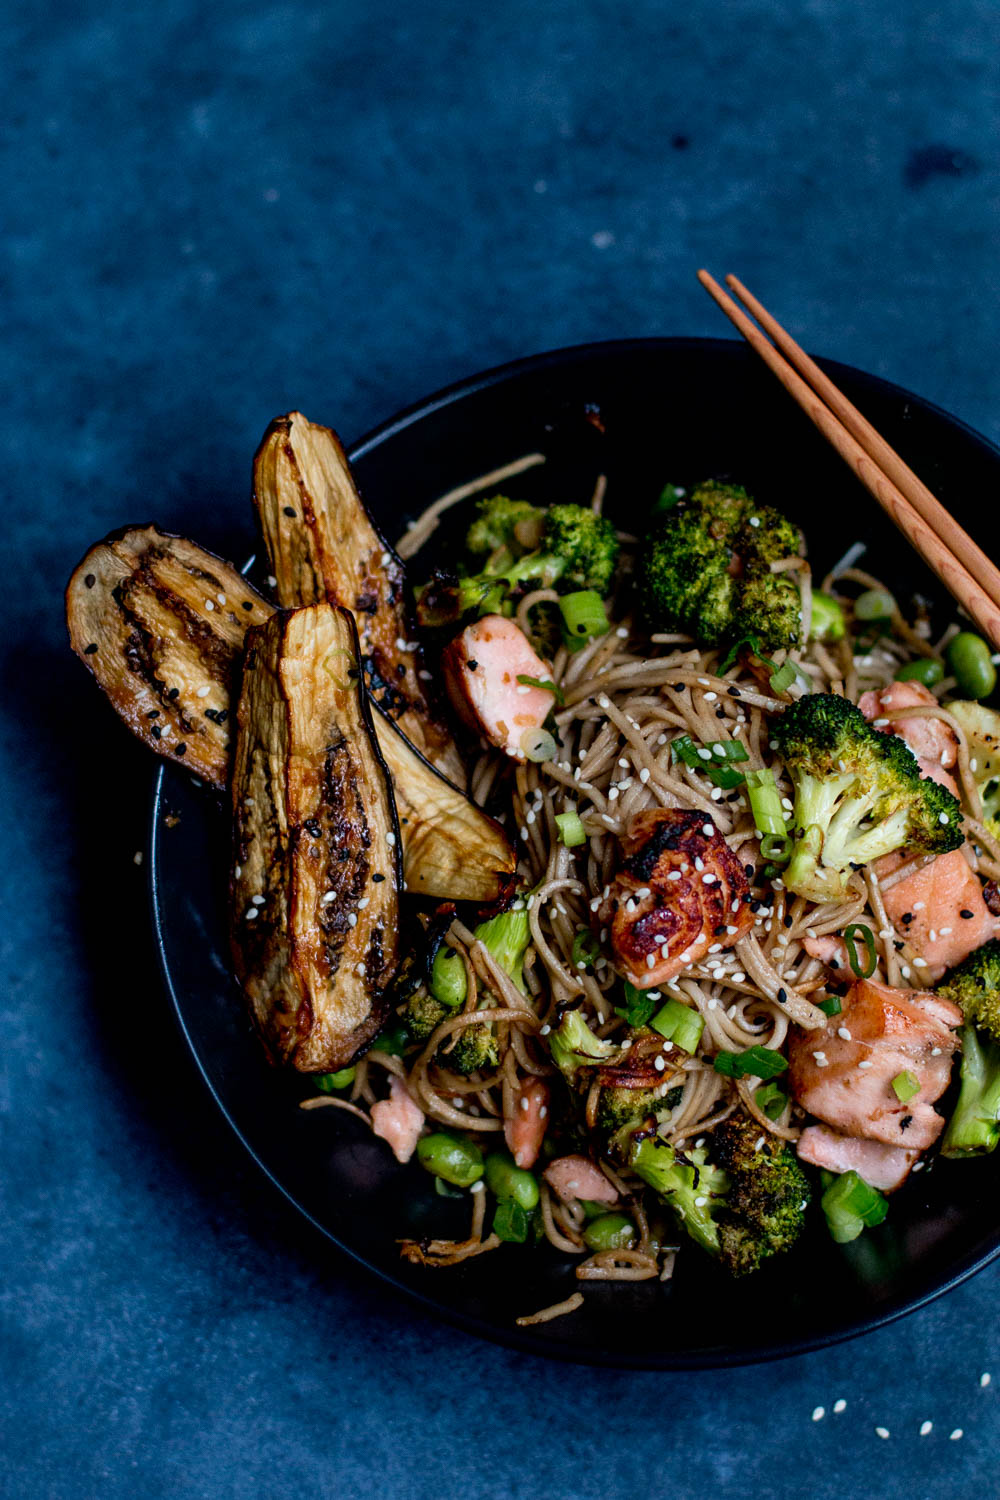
[248, 802]
[759, 1142]
[943, 819]
[644, 775]
[704, 754]
[137, 857]
[755, 521]
[622, 632]
[905, 971]
[704, 682]
[603, 702]
[523, 688]
[425, 676]
[524, 834]
[661, 739]
[819, 1412]
[237, 872]
[708, 880]
[716, 794]
[739, 977]
[882, 1432]
[840, 1405]
[674, 875]
[918, 1166]
[919, 905]
[925, 1428]
[820, 1060]
[944, 931]
[715, 948]
[257, 900]
[650, 960]
[359, 968]
[612, 793]
[270, 580]
[203, 692]
[935, 1052]
[251, 913]
[920, 963]
[864, 1063]
[700, 1201]
[363, 902]
[984, 1379]
[955, 1435]
[710, 698]
[352, 920]
[843, 1032]
[327, 897]
[545, 1030]
[699, 863]
[209, 605]
[529, 817]
[658, 1063]
[390, 839]
[708, 829]
[543, 1111]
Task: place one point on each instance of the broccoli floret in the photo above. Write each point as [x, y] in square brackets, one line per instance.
[748, 1203]
[502, 522]
[974, 986]
[770, 610]
[688, 1184]
[859, 794]
[573, 1045]
[705, 569]
[768, 1194]
[618, 1106]
[507, 937]
[422, 1014]
[974, 1127]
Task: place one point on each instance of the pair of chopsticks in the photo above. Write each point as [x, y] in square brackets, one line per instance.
[950, 552]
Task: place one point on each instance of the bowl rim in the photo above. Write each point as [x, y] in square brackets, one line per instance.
[527, 1340]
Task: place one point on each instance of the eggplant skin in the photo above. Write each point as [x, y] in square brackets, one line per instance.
[323, 545]
[316, 873]
[160, 623]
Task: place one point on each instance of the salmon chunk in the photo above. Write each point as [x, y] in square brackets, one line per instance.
[882, 1167]
[398, 1120]
[524, 1127]
[680, 891]
[941, 911]
[577, 1177]
[481, 668]
[934, 743]
[843, 1074]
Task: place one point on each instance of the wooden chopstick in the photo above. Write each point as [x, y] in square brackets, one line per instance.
[948, 551]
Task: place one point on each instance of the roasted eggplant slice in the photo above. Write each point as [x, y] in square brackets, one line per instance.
[451, 848]
[316, 867]
[170, 666]
[322, 544]
[160, 623]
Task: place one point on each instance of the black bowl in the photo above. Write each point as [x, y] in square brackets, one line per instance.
[676, 409]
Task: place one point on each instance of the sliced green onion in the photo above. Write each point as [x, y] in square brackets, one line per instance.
[584, 617]
[510, 1222]
[586, 949]
[770, 1100]
[755, 1062]
[669, 497]
[545, 684]
[448, 979]
[783, 677]
[680, 1024]
[828, 622]
[327, 1083]
[571, 830]
[685, 749]
[850, 1206]
[831, 1006]
[866, 970]
[905, 1086]
[776, 847]
[638, 1006]
[874, 604]
[538, 745]
[765, 802]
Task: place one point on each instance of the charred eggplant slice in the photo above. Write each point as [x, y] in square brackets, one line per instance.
[316, 859]
[451, 848]
[322, 544]
[160, 623]
[138, 615]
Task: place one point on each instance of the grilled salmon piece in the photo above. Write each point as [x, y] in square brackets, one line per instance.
[398, 1120]
[941, 911]
[933, 742]
[882, 1167]
[577, 1177]
[843, 1074]
[680, 891]
[481, 668]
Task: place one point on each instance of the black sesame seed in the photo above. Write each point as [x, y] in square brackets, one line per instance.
[787, 919]
[289, 511]
[89, 650]
[181, 750]
[679, 687]
[174, 693]
[965, 912]
[734, 692]
[248, 604]
[718, 931]
[157, 731]
[377, 879]
[906, 1122]
[720, 713]
[154, 713]
[472, 665]
[90, 580]
[748, 870]
[401, 672]
[782, 996]
[907, 917]
[312, 827]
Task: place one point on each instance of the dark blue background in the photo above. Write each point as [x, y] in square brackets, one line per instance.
[212, 214]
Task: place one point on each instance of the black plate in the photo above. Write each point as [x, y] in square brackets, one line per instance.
[675, 409]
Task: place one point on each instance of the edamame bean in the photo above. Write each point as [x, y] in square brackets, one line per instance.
[394, 1040]
[610, 1232]
[328, 1083]
[874, 604]
[926, 669]
[828, 622]
[969, 659]
[509, 1181]
[448, 980]
[450, 1157]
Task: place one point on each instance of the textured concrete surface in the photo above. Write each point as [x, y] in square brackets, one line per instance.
[211, 213]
